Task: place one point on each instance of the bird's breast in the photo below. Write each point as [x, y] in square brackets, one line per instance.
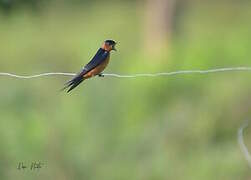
[97, 70]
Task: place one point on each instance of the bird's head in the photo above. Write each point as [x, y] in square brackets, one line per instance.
[109, 45]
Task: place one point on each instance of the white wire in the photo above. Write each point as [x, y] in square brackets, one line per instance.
[243, 147]
[35, 76]
[134, 75]
[181, 72]
[240, 131]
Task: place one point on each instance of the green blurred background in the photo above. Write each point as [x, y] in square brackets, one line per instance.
[177, 127]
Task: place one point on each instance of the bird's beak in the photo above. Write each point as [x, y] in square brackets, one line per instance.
[113, 48]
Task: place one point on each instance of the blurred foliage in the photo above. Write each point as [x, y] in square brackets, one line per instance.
[180, 127]
[9, 6]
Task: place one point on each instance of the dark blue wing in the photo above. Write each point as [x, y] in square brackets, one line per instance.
[100, 56]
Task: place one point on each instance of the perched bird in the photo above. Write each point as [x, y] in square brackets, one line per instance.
[97, 64]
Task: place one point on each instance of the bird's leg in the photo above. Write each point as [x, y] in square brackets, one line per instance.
[101, 75]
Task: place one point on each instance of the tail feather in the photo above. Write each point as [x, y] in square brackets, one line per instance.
[66, 85]
[73, 83]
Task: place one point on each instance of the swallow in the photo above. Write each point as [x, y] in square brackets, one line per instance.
[95, 67]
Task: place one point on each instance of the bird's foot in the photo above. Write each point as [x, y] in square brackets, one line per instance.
[101, 75]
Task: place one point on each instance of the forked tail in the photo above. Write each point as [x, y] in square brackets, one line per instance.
[73, 83]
